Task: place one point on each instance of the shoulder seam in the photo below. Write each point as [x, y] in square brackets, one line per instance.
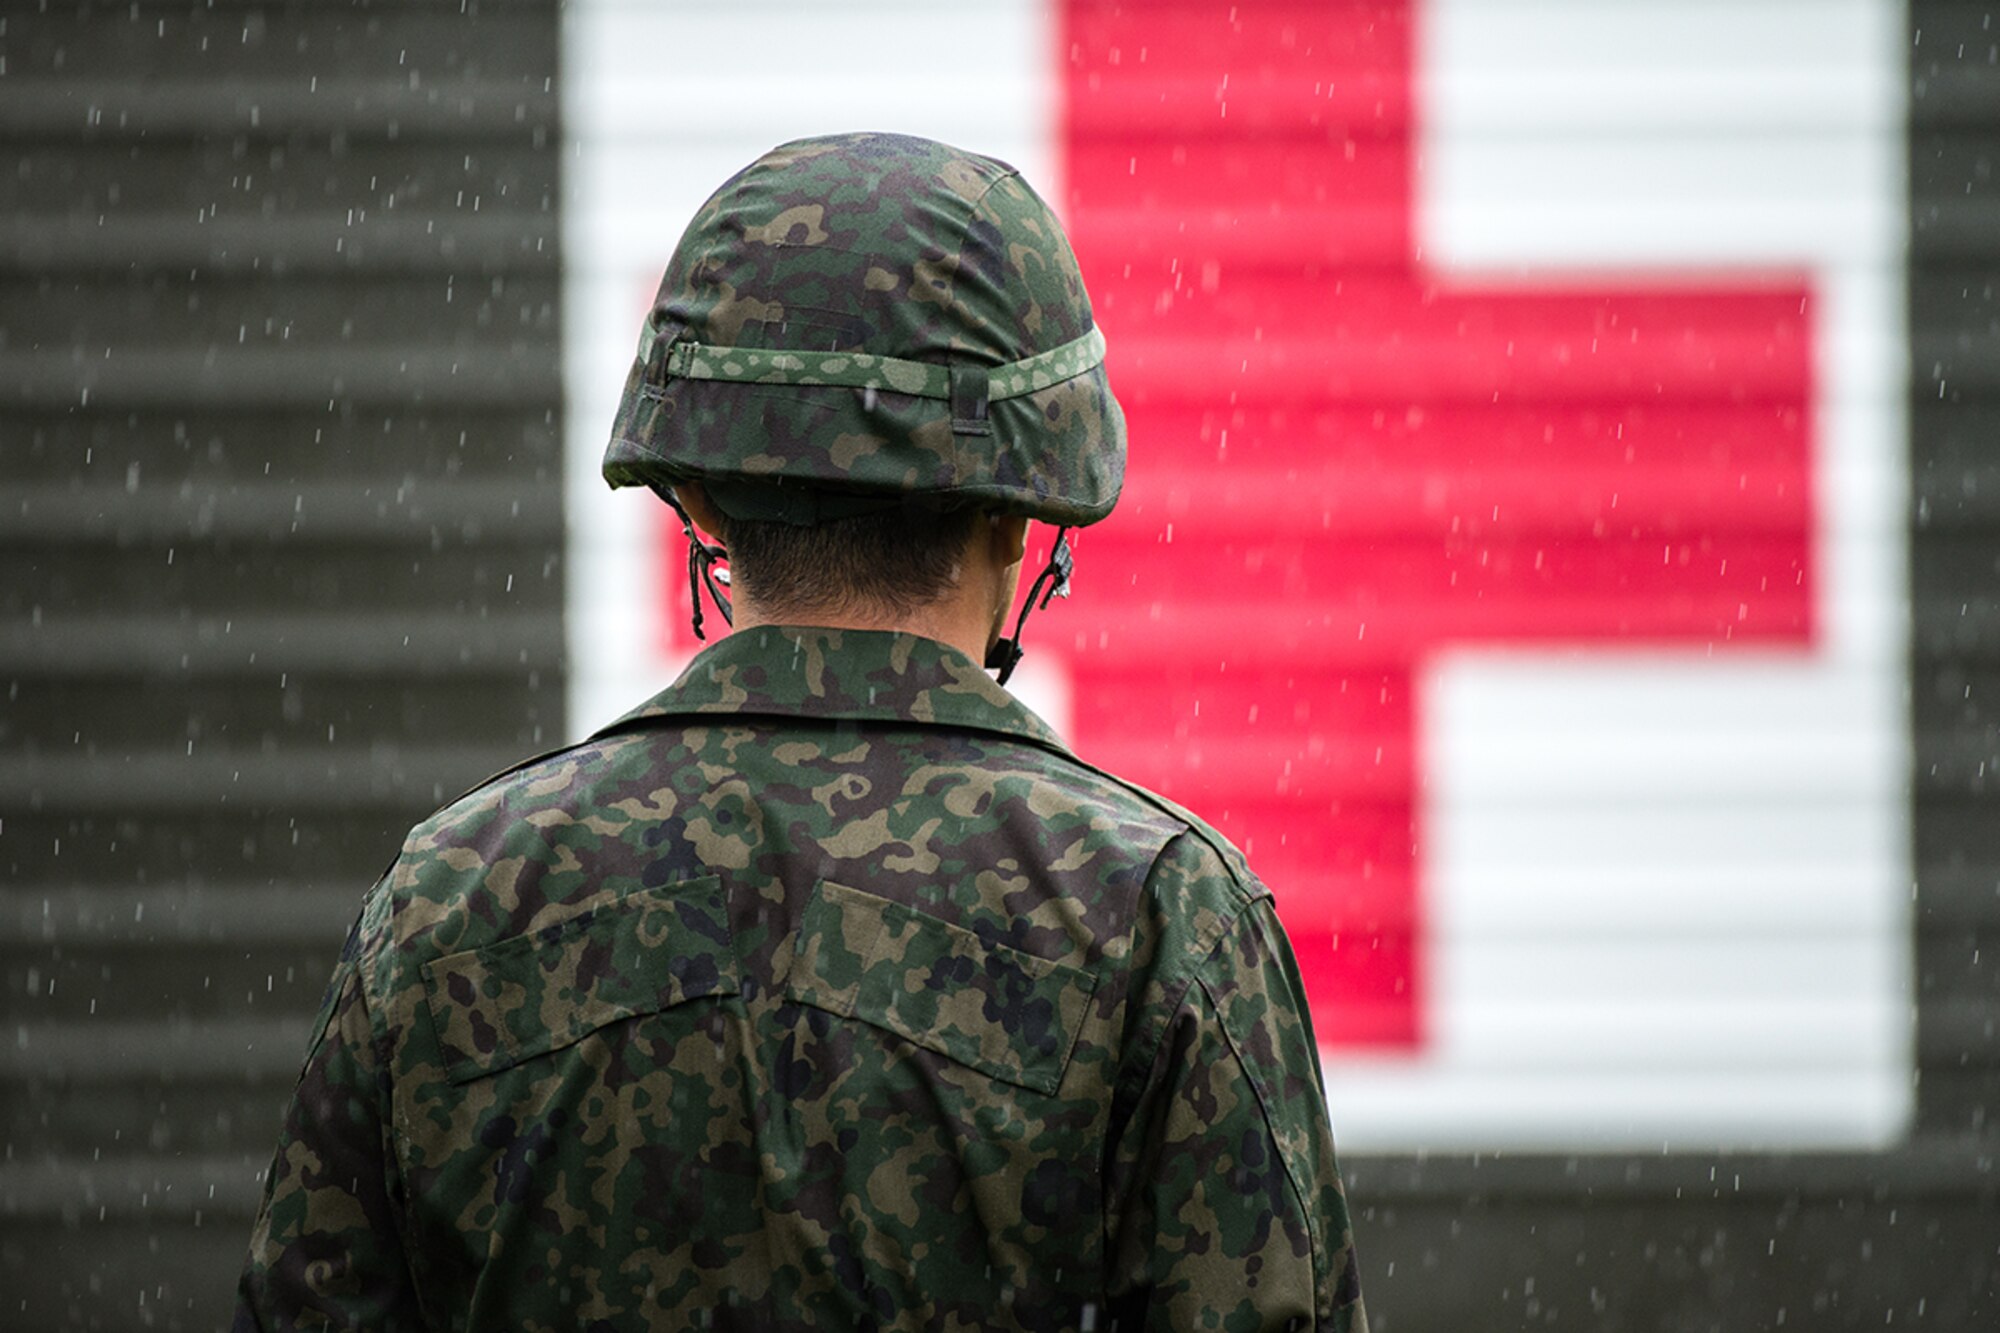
[1299, 1196]
[490, 780]
[1204, 949]
[1231, 858]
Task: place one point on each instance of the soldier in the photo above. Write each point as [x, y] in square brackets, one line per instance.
[827, 989]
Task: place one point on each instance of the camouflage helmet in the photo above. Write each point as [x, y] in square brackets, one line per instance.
[864, 318]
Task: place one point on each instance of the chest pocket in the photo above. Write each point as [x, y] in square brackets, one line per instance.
[1006, 1013]
[493, 1007]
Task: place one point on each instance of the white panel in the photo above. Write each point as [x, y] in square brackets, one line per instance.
[1499, 850]
[1667, 894]
[648, 147]
[1515, 733]
[1649, 865]
[1741, 199]
[1453, 1109]
[1561, 897]
[1584, 133]
[1670, 976]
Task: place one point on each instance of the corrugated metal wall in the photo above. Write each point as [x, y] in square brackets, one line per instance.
[280, 521]
[280, 511]
[1955, 562]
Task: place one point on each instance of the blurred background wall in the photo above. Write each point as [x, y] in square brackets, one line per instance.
[281, 522]
[282, 393]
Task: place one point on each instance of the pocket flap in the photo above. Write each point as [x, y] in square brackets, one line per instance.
[1006, 1013]
[531, 994]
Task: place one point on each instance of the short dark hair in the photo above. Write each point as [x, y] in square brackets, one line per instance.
[894, 560]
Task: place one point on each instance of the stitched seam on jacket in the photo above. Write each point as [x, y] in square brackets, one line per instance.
[1317, 1249]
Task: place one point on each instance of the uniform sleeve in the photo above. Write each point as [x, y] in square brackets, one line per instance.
[326, 1250]
[1229, 1206]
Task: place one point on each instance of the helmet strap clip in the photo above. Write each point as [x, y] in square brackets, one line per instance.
[1053, 581]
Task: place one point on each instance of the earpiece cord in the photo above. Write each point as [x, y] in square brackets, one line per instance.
[1053, 581]
[1006, 653]
[702, 573]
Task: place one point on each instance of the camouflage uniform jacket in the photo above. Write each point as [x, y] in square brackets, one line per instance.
[826, 990]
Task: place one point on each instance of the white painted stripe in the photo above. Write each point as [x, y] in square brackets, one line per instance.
[1759, 739]
[1545, 899]
[1803, 1035]
[1661, 970]
[1449, 1110]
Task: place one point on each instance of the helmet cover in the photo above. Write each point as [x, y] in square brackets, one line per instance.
[876, 315]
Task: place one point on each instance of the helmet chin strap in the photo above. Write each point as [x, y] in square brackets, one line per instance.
[702, 573]
[1006, 653]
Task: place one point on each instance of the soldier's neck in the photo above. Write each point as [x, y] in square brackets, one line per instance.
[970, 615]
[958, 622]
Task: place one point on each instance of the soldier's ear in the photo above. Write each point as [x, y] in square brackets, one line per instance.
[694, 498]
[1008, 534]
[1007, 539]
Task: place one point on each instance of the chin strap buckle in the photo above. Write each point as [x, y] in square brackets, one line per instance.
[1053, 581]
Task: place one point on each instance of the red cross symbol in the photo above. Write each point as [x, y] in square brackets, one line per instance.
[1343, 462]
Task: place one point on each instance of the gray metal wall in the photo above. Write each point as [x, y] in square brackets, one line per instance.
[280, 521]
[1955, 561]
[279, 530]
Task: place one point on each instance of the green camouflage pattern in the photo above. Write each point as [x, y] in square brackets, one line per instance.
[934, 272]
[827, 990]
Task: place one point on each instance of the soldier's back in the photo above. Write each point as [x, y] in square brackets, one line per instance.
[815, 1019]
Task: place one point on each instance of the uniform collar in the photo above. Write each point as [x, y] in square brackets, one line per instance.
[842, 674]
